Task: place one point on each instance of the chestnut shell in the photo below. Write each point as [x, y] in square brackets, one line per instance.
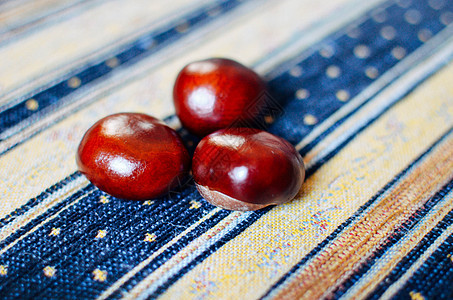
[133, 156]
[217, 93]
[247, 169]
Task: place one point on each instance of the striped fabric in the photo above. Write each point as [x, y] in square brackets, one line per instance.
[367, 97]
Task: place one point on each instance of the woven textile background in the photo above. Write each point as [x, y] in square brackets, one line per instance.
[366, 90]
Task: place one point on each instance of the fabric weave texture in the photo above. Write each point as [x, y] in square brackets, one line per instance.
[363, 91]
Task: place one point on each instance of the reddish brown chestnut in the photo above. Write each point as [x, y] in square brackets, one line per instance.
[133, 156]
[217, 93]
[246, 169]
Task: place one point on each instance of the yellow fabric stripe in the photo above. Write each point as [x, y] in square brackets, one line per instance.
[394, 255]
[268, 249]
[37, 226]
[39, 209]
[53, 49]
[327, 269]
[15, 15]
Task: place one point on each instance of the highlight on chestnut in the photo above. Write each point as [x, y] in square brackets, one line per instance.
[133, 156]
[247, 169]
[217, 93]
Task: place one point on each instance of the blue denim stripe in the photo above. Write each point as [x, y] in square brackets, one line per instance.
[321, 101]
[80, 248]
[434, 278]
[399, 234]
[75, 250]
[146, 45]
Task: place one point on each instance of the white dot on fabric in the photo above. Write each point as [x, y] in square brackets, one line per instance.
[362, 51]
[183, 27]
[404, 3]
[150, 237]
[99, 275]
[74, 82]
[446, 18]
[3, 270]
[398, 52]
[327, 51]
[413, 16]
[32, 104]
[333, 71]
[112, 62]
[437, 4]
[371, 72]
[342, 95]
[49, 271]
[310, 119]
[296, 71]
[388, 32]
[424, 35]
[379, 16]
[353, 32]
[302, 94]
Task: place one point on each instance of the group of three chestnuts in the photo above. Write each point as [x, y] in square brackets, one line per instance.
[137, 157]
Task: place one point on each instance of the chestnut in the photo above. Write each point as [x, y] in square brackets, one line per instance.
[217, 93]
[133, 156]
[246, 169]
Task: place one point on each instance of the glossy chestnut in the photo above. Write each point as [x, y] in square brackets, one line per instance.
[246, 169]
[217, 93]
[133, 156]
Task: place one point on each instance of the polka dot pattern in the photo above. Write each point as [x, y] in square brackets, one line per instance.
[342, 95]
[344, 64]
[413, 16]
[379, 16]
[183, 27]
[86, 244]
[353, 32]
[112, 62]
[398, 52]
[371, 72]
[437, 4]
[32, 104]
[302, 94]
[296, 71]
[310, 119]
[424, 34]
[74, 82]
[404, 3]
[333, 73]
[388, 32]
[327, 51]
[446, 18]
[362, 51]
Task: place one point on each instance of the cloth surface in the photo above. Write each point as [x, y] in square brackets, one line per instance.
[365, 94]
